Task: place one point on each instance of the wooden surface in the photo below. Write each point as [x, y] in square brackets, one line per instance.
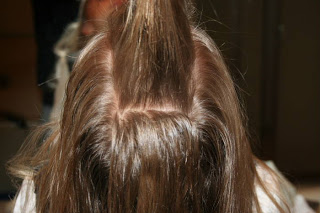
[19, 94]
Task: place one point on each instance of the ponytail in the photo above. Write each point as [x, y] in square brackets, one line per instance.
[153, 52]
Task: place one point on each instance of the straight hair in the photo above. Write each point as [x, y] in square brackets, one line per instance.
[151, 123]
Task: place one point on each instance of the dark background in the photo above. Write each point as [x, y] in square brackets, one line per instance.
[274, 45]
[272, 48]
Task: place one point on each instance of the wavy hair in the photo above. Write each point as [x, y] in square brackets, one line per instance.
[151, 123]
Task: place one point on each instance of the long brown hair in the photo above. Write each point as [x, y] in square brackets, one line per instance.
[151, 123]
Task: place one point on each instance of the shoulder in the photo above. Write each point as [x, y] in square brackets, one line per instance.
[266, 180]
[281, 190]
[26, 198]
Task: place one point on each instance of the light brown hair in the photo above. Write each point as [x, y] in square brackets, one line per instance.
[151, 123]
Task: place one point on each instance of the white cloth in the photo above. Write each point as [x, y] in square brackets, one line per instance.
[279, 185]
[64, 48]
[26, 199]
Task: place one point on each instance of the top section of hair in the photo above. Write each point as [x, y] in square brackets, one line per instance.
[153, 52]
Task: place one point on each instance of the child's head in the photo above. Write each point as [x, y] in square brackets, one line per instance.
[151, 122]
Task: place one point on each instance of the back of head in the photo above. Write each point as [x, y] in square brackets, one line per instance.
[151, 122]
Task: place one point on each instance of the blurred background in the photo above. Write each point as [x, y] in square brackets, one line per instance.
[272, 48]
